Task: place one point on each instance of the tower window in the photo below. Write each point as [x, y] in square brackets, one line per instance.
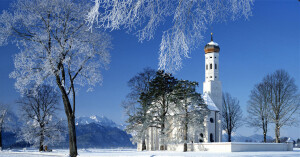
[210, 66]
[201, 135]
[206, 66]
[211, 120]
[210, 57]
[215, 66]
[210, 76]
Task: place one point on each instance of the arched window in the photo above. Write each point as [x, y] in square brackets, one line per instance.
[211, 120]
[201, 135]
[201, 138]
[210, 66]
[211, 137]
[215, 66]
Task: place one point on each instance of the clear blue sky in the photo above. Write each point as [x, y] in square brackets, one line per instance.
[250, 49]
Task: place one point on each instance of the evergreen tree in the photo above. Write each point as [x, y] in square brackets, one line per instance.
[190, 109]
[161, 97]
[136, 105]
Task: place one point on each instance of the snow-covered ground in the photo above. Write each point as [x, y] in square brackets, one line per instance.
[133, 152]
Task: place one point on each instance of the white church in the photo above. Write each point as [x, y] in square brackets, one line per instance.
[212, 95]
[209, 137]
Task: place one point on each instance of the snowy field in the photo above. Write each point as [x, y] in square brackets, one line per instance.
[133, 152]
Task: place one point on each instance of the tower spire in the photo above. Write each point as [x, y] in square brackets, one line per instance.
[211, 37]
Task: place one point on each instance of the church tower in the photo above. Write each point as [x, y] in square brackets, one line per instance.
[212, 85]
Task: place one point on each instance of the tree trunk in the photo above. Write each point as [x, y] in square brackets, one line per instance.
[162, 141]
[277, 133]
[229, 136]
[185, 131]
[0, 139]
[72, 136]
[70, 113]
[143, 144]
[41, 142]
[265, 137]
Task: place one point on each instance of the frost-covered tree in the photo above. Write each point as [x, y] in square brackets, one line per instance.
[136, 106]
[259, 108]
[184, 22]
[231, 115]
[284, 100]
[38, 111]
[3, 113]
[7, 121]
[160, 95]
[189, 111]
[56, 48]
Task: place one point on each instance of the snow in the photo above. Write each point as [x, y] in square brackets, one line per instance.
[133, 152]
[102, 120]
[213, 43]
[210, 104]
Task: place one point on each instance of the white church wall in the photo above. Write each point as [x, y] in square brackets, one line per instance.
[232, 147]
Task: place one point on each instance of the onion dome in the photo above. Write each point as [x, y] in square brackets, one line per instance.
[211, 46]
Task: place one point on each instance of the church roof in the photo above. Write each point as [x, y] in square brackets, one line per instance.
[211, 46]
[209, 102]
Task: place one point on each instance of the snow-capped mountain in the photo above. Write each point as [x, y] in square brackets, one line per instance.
[101, 120]
[240, 138]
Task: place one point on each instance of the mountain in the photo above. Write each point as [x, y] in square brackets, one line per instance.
[91, 132]
[101, 120]
[94, 135]
[240, 138]
[99, 132]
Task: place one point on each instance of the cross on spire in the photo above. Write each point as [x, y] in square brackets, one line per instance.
[211, 38]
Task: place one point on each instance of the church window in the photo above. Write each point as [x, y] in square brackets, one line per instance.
[211, 137]
[201, 135]
[210, 66]
[215, 66]
[211, 120]
[206, 66]
[210, 57]
[200, 140]
[210, 76]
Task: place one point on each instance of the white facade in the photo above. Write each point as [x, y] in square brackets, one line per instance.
[234, 147]
[213, 89]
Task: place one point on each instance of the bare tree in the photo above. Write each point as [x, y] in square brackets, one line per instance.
[284, 100]
[232, 115]
[136, 108]
[259, 108]
[55, 49]
[187, 20]
[39, 109]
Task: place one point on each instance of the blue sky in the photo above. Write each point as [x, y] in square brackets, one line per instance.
[250, 49]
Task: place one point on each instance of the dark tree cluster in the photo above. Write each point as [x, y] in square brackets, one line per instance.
[153, 95]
